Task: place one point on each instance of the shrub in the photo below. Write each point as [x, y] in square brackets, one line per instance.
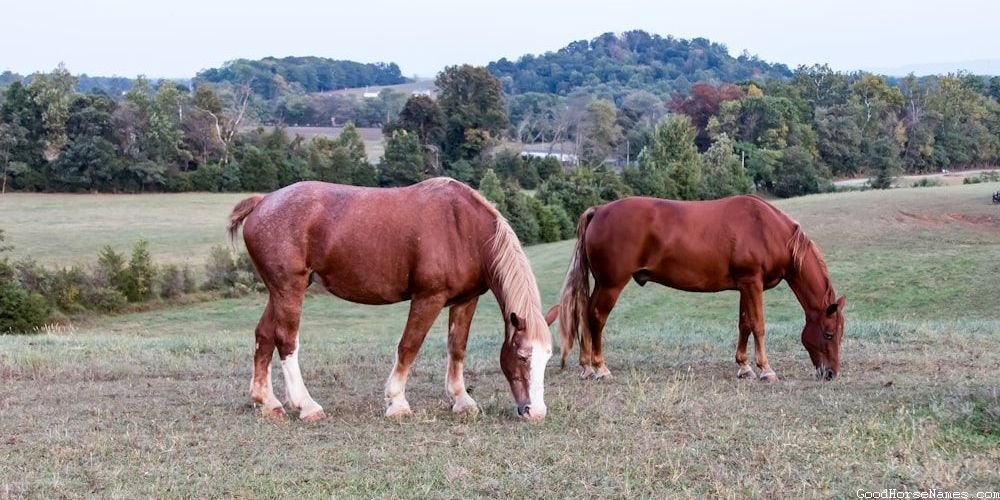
[991, 176]
[103, 299]
[141, 273]
[927, 182]
[110, 270]
[171, 282]
[220, 270]
[21, 311]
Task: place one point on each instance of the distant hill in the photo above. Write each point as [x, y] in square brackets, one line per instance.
[111, 85]
[313, 74]
[613, 64]
[989, 67]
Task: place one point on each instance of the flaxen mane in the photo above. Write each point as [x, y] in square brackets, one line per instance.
[800, 246]
[509, 267]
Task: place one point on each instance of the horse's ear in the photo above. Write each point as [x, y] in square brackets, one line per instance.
[550, 317]
[517, 322]
[838, 305]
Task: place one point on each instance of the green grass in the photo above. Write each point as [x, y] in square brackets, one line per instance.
[154, 403]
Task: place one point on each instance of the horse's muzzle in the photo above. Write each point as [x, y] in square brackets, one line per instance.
[825, 373]
[527, 414]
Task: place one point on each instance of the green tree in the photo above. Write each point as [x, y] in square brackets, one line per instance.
[884, 163]
[422, 116]
[141, 273]
[403, 161]
[669, 167]
[492, 189]
[722, 173]
[471, 100]
[257, 171]
[53, 93]
[600, 132]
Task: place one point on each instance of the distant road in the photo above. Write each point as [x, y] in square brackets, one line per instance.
[948, 178]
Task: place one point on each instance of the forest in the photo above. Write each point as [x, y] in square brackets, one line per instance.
[640, 114]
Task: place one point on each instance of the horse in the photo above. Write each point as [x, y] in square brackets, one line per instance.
[437, 243]
[738, 243]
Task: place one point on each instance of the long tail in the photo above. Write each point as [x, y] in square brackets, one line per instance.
[576, 293]
[240, 212]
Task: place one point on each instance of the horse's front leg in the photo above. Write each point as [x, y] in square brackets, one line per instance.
[459, 321]
[423, 312]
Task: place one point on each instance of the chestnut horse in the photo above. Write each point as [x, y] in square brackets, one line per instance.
[437, 244]
[737, 243]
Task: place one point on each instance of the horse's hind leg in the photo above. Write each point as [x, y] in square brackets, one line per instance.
[287, 313]
[601, 302]
[459, 321]
[261, 391]
[752, 322]
[423, 312]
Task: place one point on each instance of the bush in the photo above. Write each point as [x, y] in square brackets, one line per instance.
[110, 270]
[21, 311]
[141, 273]
[102, 299]
[171, 282]
[991, 176]
[927, 182]
[220, 270]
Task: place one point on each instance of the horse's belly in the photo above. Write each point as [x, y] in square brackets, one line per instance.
[368, 291]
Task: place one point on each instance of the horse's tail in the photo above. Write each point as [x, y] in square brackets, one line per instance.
[240, 212]
[576, 292]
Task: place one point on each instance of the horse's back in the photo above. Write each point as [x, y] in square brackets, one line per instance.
[369, 245]
[690, 245]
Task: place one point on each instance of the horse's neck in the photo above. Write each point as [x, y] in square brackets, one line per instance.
[810, 282]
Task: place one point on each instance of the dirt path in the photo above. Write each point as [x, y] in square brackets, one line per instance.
[945, 177]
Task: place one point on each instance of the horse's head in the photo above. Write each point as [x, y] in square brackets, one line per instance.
[821, 337]
[523, 358]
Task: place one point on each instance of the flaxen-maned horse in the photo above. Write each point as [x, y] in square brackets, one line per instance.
[437, 244]
[738, 243]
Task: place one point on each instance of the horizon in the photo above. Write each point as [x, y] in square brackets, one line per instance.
[92, 39]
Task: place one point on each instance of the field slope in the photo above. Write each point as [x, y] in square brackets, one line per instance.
[154, 404]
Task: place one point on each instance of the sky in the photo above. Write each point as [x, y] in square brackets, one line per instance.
[177, 38]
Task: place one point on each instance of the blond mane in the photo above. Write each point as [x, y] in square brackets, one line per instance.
[511, 271]
[801, 246]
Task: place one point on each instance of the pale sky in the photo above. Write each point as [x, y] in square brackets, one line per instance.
[176, 38]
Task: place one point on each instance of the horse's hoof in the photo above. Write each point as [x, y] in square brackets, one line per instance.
[276, 414]
[769, 376]
[603, 373]
[398, 410]
[465, 406]
[746, 372]
[586, 373]
[314, 415]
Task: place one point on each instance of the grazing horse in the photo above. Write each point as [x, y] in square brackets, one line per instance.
[738, 243]
[438, 244]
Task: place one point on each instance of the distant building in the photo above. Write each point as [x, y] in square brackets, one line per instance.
[370, 95]
[426, 92]
[564, 158]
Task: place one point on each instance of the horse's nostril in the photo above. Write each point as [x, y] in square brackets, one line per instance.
[829, 375]
[523, 411]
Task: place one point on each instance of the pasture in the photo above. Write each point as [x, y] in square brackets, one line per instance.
[155, 403]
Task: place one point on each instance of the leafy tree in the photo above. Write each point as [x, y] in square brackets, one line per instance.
[722, 173]
[492, 190]
[669, 167]
[470, 99]
[521, 214]
[403, 161]
[257, 171]
[797, 173]
[53, 93]
[141, 274]
[884, 163]
[600, 133]
[703, 104]
[422, 116]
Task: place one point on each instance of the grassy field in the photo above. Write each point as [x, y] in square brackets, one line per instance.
[155, 404]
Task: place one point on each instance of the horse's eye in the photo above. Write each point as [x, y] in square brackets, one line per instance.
[828, 335]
